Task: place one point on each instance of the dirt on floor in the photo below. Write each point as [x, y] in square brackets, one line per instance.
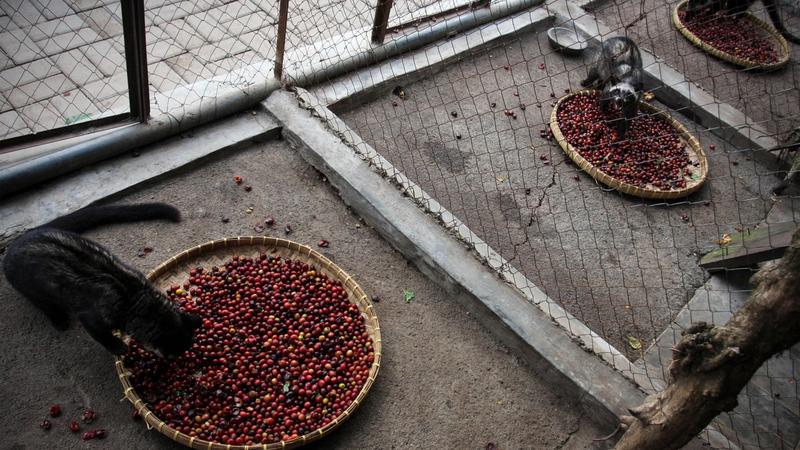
[470, 136]
[445, 382]
[771, 100]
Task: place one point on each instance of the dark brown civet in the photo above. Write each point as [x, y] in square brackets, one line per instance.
[281, 353]
[651, 155]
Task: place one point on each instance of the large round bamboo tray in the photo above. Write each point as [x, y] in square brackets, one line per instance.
[783, 46]
[175, 270]
[696, 154]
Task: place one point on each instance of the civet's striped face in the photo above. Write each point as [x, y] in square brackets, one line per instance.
[623, 94]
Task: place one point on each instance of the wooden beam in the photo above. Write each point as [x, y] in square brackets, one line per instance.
[751, 247]
[283, 17]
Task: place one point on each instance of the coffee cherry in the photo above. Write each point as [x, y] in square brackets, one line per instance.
[55, 410]
[281, 352]
[89, 435]
[74, 427]
[652, 154]
[736, 36]
[45, 425]
[89, 416]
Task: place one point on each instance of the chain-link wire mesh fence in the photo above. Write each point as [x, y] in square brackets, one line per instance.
[198, 49]
[413, 12]
[61, 63]
[65, 63]
[620, 273]
[467, 120]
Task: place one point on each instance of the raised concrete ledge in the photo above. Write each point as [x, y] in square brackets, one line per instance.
[63, 195]
[499, 306]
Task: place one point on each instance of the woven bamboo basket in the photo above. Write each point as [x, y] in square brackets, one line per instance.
[175, 270]
[696, 154]
[783, 46]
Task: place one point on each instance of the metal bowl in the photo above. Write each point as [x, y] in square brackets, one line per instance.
[567, 40]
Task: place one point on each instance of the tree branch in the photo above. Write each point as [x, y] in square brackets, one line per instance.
[712, 364]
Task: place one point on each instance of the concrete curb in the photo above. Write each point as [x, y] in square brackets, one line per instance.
[605, 392]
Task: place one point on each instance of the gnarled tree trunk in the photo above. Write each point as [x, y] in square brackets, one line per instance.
[712, 364]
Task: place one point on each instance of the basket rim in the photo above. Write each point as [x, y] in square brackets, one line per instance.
[783, 45]
[615, 183]
[314, 257]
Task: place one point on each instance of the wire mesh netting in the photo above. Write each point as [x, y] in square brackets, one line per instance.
[60, 63]
[321, 35]
[475, 135]
[411, 11]
[769, 99]
[64, 63]
[467, 119]
[199, 49]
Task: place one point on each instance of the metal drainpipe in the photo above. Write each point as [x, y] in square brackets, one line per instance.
[38, 170]
[29, 173]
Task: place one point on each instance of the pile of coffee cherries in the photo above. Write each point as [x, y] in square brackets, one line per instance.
[651, 155]
[281, 353]
[735, 36]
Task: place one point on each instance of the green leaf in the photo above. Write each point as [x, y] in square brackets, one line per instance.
[408, 295]
[286, 387]
[76, 118]
[634, 343]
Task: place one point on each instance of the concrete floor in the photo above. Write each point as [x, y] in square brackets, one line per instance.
[624, 266]
[769, 99]
[445, 381]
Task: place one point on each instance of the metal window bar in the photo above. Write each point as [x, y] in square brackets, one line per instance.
[283, 17]
[133, 22]
[136, 58]
[381, 24]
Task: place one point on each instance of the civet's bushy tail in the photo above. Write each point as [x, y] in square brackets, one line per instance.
[95, 216]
